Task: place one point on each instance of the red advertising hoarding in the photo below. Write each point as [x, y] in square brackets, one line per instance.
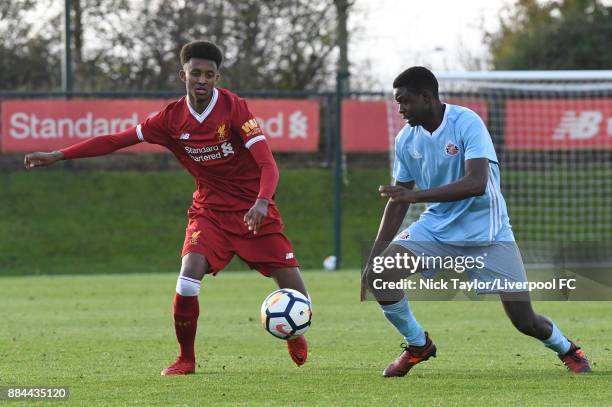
[547, 124]
[290, 125]
[364, 126]
[370, 126]
[43, 125]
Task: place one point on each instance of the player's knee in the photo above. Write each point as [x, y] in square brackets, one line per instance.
[380, 286]
[194, 266]
[370, 278]
[290, 277]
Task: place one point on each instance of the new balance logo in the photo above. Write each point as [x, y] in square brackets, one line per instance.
[289, 256]
[578, 125]
[184, 136]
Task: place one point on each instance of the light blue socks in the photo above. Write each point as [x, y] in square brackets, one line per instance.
[557, 341]
[400, 315]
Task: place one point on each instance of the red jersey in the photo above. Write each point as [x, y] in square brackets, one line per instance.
[213, 147]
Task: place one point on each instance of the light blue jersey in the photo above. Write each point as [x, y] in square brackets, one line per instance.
[437, 159]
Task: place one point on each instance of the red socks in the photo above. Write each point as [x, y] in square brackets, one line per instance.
[186, 312]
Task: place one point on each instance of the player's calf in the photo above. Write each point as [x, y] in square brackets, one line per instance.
[186, 310]
[540, 327]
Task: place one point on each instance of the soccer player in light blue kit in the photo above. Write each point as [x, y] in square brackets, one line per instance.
[447, 152]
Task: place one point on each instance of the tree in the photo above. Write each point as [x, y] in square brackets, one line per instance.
[129, 45]
[564, 34]
[30, 54]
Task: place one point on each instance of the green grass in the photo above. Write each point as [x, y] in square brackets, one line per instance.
[560, 205]
[107, 338]
[61, 222]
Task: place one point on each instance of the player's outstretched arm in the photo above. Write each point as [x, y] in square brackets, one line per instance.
[92, 147]
[42, 159]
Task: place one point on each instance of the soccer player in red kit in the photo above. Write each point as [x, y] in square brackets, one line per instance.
[216, 138]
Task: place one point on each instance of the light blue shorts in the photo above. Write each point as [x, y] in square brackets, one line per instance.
[497, 266]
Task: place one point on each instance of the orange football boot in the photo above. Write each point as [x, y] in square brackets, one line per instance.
[180, 367]
[575, 360]
[298, 350]
[411, 355]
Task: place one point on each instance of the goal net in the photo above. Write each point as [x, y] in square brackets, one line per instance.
[552, 131]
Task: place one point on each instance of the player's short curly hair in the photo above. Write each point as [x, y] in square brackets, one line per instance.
[417, 78]
[201, 49]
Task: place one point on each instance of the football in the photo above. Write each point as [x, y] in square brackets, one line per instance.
[286, 313]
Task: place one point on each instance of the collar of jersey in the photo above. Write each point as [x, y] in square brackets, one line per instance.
[200, 117]
[442, 125]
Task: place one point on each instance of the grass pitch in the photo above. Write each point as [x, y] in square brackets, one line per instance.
[62, 222]
[108, 337]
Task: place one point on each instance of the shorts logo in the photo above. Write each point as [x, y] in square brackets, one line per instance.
[193, 240]
[289, 256]
[405, 235]
[220, 132]
[451, 149]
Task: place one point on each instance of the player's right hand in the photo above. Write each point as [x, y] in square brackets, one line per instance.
[256, 214]
[41, 159]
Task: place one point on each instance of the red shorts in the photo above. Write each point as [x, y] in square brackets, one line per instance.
[218, 235]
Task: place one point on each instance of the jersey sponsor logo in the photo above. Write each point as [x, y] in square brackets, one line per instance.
[209, 153]
[227, 149]
[200, 150]
[184, 136]
[578, 125]
[451, 149]
[250, 128]
[193, 240]
[221, 132]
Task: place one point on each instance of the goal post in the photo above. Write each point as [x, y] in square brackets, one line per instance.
[552, 131]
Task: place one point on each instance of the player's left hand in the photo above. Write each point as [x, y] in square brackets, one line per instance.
[256, 214]
[397, 193]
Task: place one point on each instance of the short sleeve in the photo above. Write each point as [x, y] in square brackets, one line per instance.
[154, 129]
[477, 141]
[245, 124]
[401, 172]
